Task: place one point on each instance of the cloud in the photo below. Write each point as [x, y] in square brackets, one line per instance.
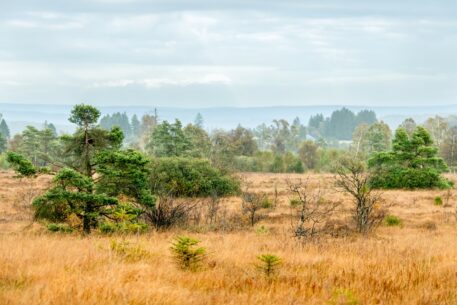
[259, 51]
[154, 83]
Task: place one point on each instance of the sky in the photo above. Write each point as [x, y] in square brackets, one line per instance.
[242, 53]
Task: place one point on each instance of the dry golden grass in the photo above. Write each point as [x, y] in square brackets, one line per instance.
[411, 264]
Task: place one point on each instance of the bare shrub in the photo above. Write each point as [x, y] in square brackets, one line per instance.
[312, 210]
[354, 180]
[447, 198]
[24, 198]
[170, 212]
[251, 204]
[213, 206]
[428, 225]
[276, 196]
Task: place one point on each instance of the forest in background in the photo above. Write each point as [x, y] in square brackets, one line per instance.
[279, 146]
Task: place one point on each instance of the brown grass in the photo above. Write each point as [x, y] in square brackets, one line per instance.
[411, 264]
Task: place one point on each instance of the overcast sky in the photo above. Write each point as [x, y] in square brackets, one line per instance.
[229, 53]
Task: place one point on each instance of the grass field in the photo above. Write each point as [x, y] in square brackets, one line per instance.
[413, 263]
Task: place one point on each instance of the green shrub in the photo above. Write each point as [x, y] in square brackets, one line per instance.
[262, 230]
[293, 164]
[187, 254]
[267, 203]
[392, 220]
[129, 252]
[438, 201]
[21, 164]
[294, 202]
[107, 227]
[343, 296]
[268, 264]
[186, 177]
[124, 227]
[59, 227]
[412, 163]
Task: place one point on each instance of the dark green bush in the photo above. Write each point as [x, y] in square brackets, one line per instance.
[186, 177]
[392, 220]
[409, 178]
[267, 203]
[295, 202]
[412, 163]
[438, 201]
[59, 227]
[125, 227]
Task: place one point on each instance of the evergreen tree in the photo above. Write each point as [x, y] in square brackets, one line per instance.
[412, 163]
[200, 141]
[169, 140]
[29, 145]
[4, 130]
[41, 147]
[316, 121]
[366, 117]
[89, 139]
[199, 120]
[136, 126]
[117, 119]
[95, 172]
[342, 124]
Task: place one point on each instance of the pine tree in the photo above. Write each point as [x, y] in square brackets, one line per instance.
[169, 140]
[4, 129]
[136, 126]
[412, 163]
[199, 120]
[95, 172]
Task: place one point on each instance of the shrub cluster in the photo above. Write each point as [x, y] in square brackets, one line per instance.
[186, 177]
[412, 163]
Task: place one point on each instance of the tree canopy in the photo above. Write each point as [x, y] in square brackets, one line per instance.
[412, 163]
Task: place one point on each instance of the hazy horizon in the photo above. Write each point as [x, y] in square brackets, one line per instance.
[206, 54]
[190, 107]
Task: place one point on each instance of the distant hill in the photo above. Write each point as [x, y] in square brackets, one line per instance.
[20, 115]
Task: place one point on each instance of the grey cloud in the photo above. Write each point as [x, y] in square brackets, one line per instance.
[209, 52]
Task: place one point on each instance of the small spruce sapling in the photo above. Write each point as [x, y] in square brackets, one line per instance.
[187, 254]
[268, 264]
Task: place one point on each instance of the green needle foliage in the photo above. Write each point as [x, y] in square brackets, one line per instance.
[72, 193]
[125, 173]
[392, 221]
[187, 254]
[438, 201]
[21, 165]
[268, 264]
[412, 163]
[94, 174]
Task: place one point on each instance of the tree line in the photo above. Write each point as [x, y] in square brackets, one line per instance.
[279, 147]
